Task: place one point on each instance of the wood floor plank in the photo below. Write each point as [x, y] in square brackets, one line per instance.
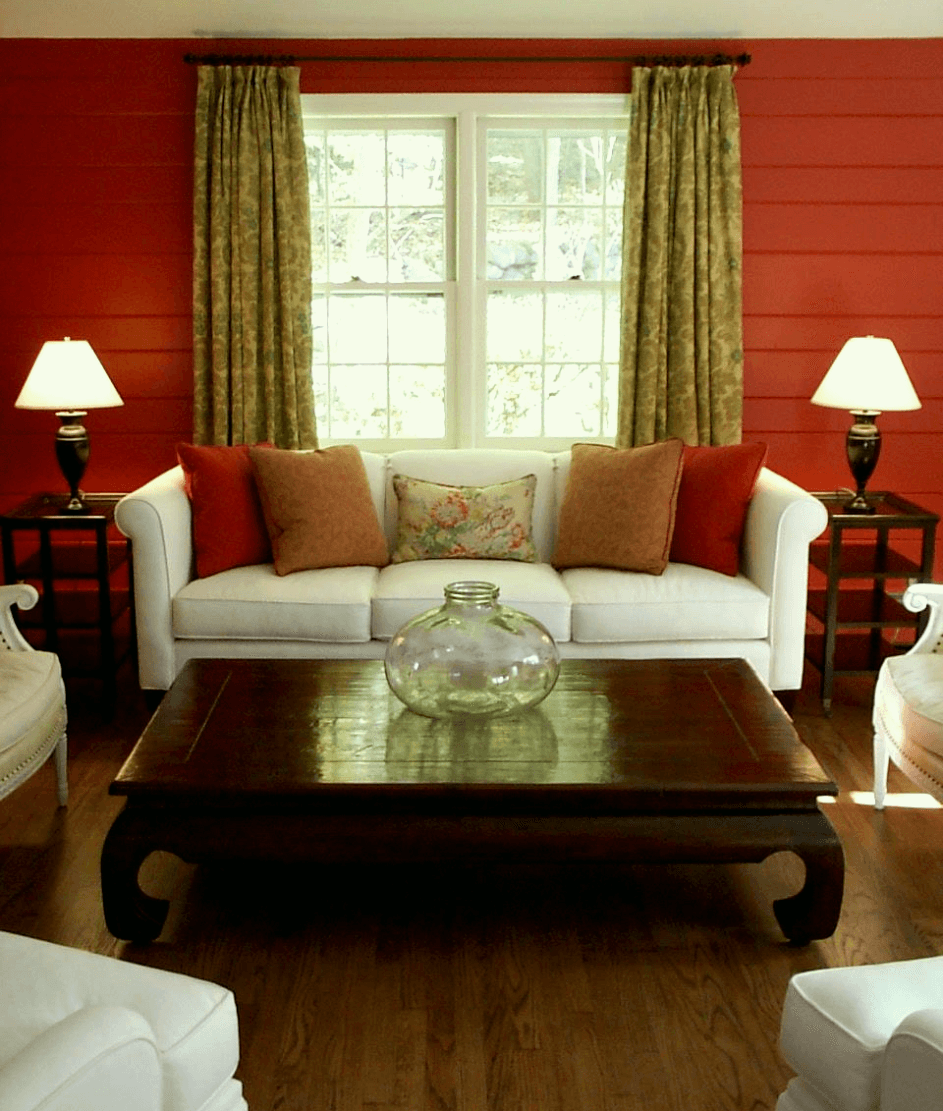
[576, 988]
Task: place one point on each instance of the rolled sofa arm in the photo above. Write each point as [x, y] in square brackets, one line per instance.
[782, 521]
[96, 1059]
[912, 1072]
[157, 519]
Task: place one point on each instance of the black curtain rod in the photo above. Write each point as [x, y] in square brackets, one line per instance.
[637, 60]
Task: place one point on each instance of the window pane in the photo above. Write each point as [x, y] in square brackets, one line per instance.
[514, 244]
[318, 246]
[615, 168]
[317, 162]
[574, 326]
[613, 327]
[573, 240]
[417, 328]
[358, 245]
[417, 401]
[514, 400]
[357, 168]
[515, 326]
[515, 167]
[357, 328]
[359, 403]
[611, 400]
[417, 245]
[575, 169]
[573, 394]
[416, 168]
[319, 329]
[613, 245]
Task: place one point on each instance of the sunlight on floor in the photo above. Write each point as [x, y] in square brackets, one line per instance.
[914, 801]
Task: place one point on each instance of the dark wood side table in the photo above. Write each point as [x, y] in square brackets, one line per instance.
[81, 565]
[863, 567]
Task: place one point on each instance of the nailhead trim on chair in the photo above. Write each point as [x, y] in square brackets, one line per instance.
[25, 768]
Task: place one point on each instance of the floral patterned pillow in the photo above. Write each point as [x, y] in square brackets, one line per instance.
[464, 522]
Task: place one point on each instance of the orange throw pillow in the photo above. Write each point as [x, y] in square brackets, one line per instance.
[619, 507]
[318, 508]
[716, 486]
[228, 526]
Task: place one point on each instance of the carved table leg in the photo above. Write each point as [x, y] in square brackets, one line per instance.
[814, 910]
[130, 914]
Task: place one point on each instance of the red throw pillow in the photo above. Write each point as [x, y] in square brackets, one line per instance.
[716, 486]
[228, 526]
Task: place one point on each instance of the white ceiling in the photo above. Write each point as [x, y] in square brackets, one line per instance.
[591, 19]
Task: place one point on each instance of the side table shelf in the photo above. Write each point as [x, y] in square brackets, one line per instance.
[81, 566]
[857, 572]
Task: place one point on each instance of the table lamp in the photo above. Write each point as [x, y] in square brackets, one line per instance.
[68, 378]
[867, 378]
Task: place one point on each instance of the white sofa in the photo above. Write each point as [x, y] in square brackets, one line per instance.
[351, 612]
[83, 1032]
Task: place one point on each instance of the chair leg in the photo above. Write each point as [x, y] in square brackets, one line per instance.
[62, 770]
[881, 762]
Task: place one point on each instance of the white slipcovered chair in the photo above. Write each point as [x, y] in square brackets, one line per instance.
[83, 1032]
[32, 701]
[908, 703]
[867, 1038]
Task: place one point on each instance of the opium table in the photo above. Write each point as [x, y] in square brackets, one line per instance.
[316, 760]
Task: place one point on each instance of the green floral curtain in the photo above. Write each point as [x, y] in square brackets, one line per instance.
[251, 260]
[682, 328]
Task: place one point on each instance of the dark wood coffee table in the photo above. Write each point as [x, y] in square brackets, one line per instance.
[301, 760]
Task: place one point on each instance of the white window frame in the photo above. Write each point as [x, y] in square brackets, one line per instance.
[466, 286]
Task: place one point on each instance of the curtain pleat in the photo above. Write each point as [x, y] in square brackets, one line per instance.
[251, 260]
[681, 369]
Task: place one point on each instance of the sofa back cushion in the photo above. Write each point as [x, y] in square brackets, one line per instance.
[479, 467]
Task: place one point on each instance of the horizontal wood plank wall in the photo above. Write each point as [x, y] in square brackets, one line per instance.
[843, 229]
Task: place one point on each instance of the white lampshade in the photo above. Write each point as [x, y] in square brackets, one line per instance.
[867, 376]
[68, 377]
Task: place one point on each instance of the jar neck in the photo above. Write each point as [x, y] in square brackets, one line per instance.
[471, 593]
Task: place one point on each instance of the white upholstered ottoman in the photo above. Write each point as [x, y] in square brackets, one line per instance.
[867, 1038]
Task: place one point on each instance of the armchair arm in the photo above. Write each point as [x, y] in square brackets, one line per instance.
[158, 521]
[15, 594]
[782, 521]
[912, 1072]
[917, 598]
[96, 1059]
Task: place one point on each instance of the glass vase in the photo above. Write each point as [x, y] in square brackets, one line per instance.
[471, 656]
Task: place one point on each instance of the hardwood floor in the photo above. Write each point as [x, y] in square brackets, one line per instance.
[512, 989]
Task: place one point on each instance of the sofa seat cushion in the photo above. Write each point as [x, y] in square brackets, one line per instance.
[837, 1021]
[254, 603]
[404, 590]
[194, 1022]
[684, 603]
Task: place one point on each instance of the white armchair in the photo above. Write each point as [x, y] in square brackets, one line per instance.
[867, 1038]
[83, 1032]
[32, 701]
[908, 703]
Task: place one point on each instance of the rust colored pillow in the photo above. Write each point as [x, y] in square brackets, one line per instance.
[716, 486]
[619, 507]
[318, 508]
[228, 526]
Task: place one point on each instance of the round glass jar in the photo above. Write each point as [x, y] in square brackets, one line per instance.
[471, 656]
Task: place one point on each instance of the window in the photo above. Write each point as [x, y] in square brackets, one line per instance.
[466, 268]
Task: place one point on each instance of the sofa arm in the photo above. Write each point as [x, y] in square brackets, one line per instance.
[158, 521]
[96, 1059]
[912, 1072]
[782, 521]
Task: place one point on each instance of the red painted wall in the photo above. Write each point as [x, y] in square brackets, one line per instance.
[843, 229]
